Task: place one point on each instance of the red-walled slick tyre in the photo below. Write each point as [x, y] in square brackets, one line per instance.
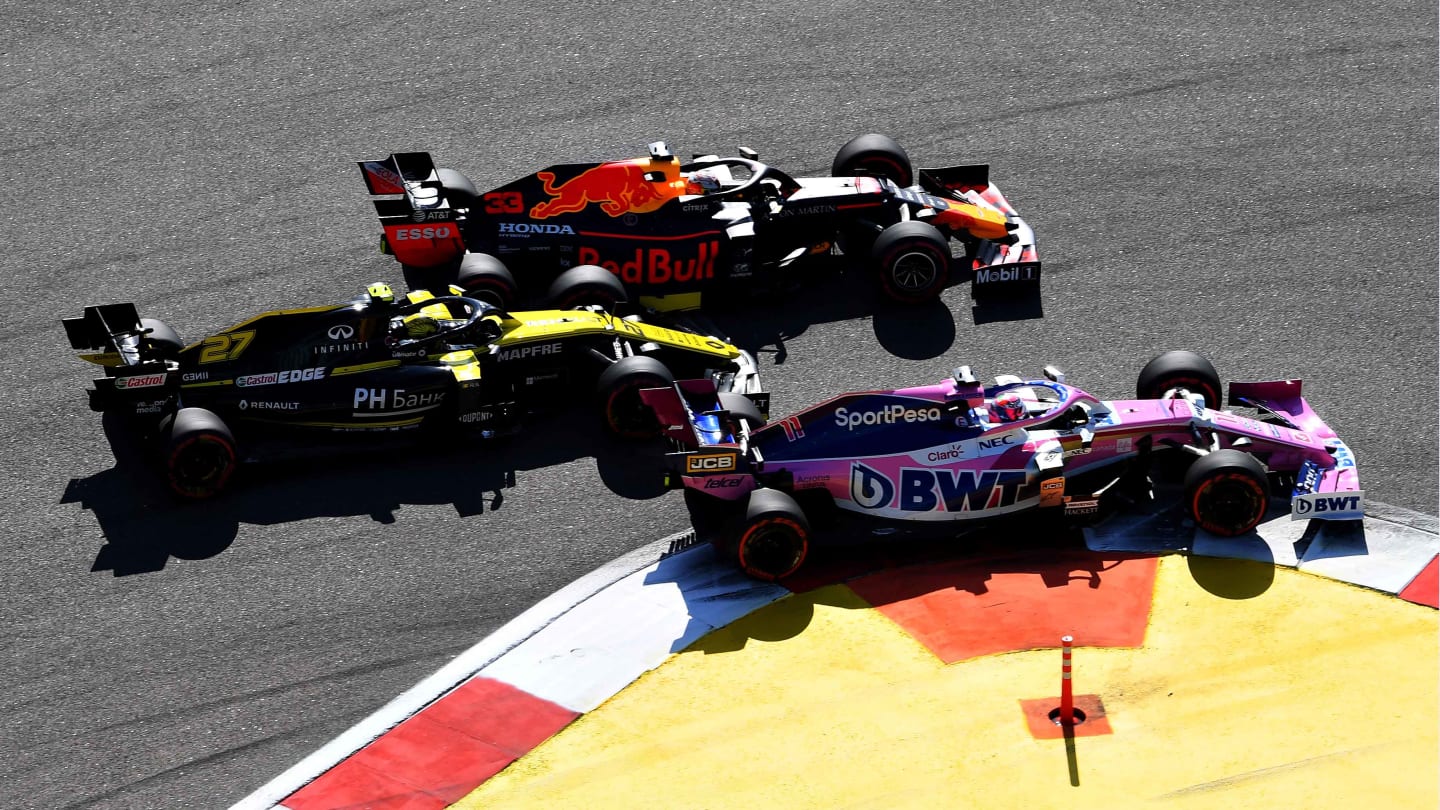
[1227, 492]
[200, 453]
[775, 538]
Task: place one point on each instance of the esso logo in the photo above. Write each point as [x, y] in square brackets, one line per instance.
[407, 234]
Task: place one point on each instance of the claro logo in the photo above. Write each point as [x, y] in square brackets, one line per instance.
[710, 464]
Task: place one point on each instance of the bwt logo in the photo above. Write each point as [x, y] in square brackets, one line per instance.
[409, 234]
[710, 464]
[1328, 506]
[887, 415]
[930, 490]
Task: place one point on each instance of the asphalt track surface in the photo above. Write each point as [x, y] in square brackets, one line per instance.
[1253, 182]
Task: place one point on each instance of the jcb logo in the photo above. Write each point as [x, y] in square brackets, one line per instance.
[710, 464]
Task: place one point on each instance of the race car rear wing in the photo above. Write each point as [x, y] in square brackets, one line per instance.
[137, 378]
[109, 331]
[420, 221]
[395, 172]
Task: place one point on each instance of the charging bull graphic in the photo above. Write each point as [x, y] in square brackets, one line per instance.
[619, 188]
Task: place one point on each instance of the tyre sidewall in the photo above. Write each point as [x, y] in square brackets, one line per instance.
[895, 251]
[619, 389]
[1238, 476]
[195, 437]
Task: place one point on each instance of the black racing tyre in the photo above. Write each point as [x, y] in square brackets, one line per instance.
[1180, 369]
[586, 285]
[775, 538]
[162, 339]
[458, 189]
[1227, 492]
[619, 387]
[874, 154]
[912, 259]
[200, 453]
[741, 407]
[486, 278]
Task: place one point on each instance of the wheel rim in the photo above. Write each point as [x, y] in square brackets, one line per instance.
[773, 548]
[628, 415]
[1229, 504]
[914, 271]
[200, 466]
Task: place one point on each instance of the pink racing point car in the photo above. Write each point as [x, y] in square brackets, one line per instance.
[964, 451]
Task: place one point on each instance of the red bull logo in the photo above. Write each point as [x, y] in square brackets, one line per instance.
[657, 265]
[618, 188]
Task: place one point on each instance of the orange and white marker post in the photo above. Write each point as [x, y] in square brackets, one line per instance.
[1067, 694]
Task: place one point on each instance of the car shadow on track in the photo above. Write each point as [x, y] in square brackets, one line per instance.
[763, 323]
[848, 551]
[144, 525]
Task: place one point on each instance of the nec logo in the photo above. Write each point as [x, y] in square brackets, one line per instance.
[1328, 506]
[709, 464]
[999, 441]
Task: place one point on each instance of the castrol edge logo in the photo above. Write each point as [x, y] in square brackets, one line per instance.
[719, 462]
[140, 381]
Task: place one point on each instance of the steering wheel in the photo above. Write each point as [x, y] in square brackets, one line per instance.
[448, 327]
[759, 173]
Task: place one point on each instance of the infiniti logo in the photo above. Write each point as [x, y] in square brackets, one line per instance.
[341, 332]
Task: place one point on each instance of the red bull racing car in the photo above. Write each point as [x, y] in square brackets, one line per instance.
[448, 365]
[656, 227]
[963, 452]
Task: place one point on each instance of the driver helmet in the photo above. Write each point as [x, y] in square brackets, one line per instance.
[1008, 407]
[419, 326]
[702, 181]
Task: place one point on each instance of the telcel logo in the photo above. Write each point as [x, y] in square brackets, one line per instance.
[709, 464]
[888, 415]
